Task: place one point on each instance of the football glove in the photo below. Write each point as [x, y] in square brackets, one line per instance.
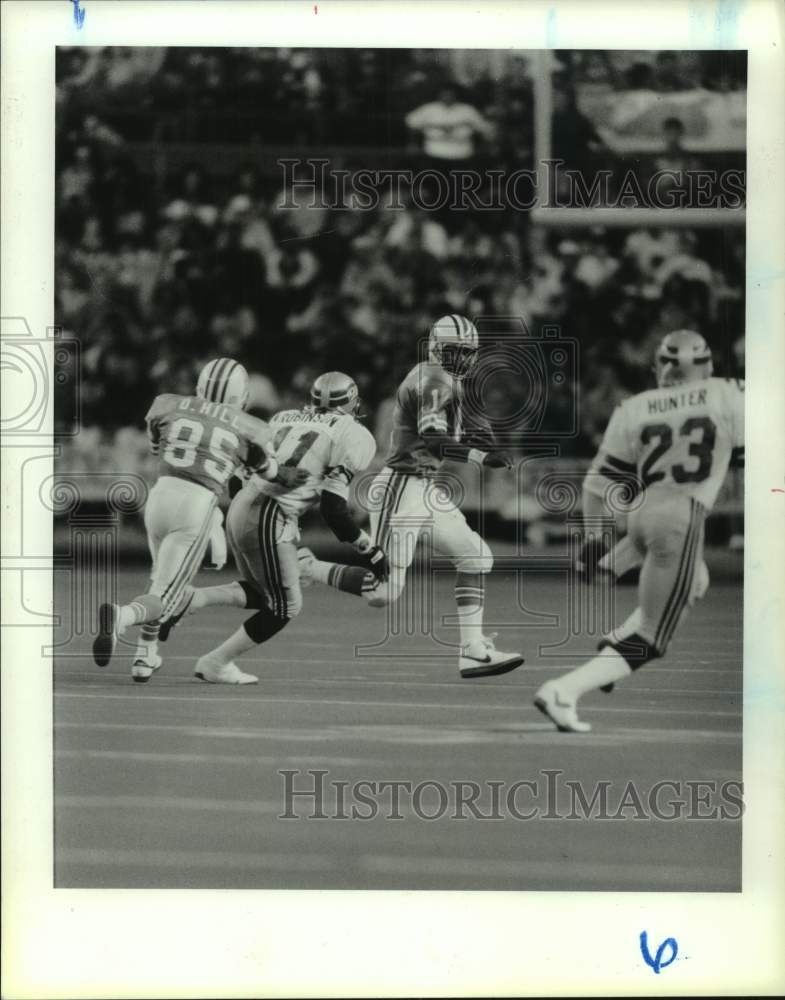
[290, 477]
[497, 460]
[380, 566]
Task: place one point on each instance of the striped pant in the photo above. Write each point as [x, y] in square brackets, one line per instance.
[668, 531]
[402, 507]
[178, 517]
[263, 539]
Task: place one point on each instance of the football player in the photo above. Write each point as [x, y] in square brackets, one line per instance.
[326, 441]
[406, 497]
[200, 440]
[676, 443]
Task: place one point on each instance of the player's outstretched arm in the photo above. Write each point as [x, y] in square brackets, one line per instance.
[597, 518]
[339, 520]
[442, 446]
[264, 463]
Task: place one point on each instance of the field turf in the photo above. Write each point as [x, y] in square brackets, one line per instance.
[176, 783]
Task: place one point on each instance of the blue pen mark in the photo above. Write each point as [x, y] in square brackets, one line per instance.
[657, 962]
[726, 23]
[719, 32]
[551, 29]
[79, 14]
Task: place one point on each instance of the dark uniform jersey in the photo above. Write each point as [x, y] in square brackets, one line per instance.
[204, 442]
[428, 399]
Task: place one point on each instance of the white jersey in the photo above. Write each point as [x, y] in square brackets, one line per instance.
[677, 437]
[331, 446]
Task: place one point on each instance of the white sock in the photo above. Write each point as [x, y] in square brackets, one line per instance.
[605, 668]
[320, 571]
[470, 623]
[628, 627]
[147, 646]
[237, 644]
[129, 615]
[144, 608]
[469, 600]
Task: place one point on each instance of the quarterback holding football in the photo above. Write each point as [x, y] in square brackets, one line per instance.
[406, 498]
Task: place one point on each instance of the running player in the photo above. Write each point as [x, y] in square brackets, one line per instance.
[326, 441]
[407, 498]
[201, 441]
[677, 441]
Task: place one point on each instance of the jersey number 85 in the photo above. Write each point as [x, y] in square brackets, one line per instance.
[183, 445]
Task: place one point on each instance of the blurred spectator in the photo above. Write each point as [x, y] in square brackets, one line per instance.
[158, 270]
[596, 266]
[636, 97]
[573, 137]
[674, 156]
[669, 75]
[414, 231]
[448, 127]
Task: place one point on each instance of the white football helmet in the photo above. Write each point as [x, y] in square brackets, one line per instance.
[335, 391]
[223, 381]
[453, 343]
[683, 356]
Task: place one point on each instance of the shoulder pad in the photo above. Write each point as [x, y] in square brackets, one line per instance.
[283, 415]
[162, 404]
[254, 430]
[430, 376]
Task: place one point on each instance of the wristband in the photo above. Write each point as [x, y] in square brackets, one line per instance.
[476, 456]
[271, 469]
[363, 542]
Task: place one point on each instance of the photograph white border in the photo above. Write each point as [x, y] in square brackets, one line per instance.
[149, 943]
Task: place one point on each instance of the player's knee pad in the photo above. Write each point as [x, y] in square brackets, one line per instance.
[635, 649]
[263, 625]
[478, 561]
[253, 597]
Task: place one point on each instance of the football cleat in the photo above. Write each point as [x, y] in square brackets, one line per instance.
[222, 673]
[482, 659]
[182, 609]
[142, 670]
[453, 344]
[305, 561]
[683, 356]
[559, 709]
[108, 631]
[223, 381]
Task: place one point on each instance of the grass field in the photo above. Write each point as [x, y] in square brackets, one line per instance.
[176, 784]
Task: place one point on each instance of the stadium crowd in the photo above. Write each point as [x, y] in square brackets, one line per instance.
[155, 275]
